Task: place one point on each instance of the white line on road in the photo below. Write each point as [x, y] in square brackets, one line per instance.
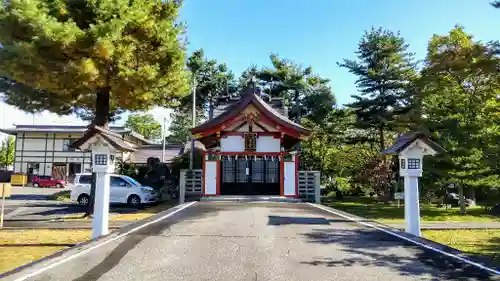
[491, 270]
[52, 265]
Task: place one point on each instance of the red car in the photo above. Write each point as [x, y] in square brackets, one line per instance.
[47, 181]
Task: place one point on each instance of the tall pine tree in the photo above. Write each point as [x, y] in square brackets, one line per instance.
[461, 107]
[93, 56]
[385, 69]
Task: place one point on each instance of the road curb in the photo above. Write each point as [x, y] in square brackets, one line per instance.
[459, 256]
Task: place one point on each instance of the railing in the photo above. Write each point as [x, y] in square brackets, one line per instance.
[191, 179]
[309, 186]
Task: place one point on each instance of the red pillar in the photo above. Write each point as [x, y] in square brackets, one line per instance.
[203, 173]
[218, 175]
[282, 175]
[297, 175]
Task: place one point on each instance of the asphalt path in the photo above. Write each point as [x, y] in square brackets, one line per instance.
[259, 241]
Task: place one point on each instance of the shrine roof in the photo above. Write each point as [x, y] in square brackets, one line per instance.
[251, 98]
[406, 139]
[113, 138]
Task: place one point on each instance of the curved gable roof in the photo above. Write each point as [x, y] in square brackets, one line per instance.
[251, 98]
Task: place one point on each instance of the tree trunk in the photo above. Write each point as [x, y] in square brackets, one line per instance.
[101, 118]
[102, 112]
[461, 199]
[90, 208]
[381, 138]
[211, 110]
[472, 193]
[296, 107]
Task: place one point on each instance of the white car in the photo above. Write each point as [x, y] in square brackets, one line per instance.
[123, 189]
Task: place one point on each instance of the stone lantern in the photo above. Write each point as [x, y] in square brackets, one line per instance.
[411, 149]
[104, 145]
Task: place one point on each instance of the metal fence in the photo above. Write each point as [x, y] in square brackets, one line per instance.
[309, 186]
[191, 179]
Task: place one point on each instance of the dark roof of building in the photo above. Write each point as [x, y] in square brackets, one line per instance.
[408, 138]
[226, 101]
[197, 146]
[142, 153]
[113, 138]
[65, 127]
[235, 109]
[71, 129]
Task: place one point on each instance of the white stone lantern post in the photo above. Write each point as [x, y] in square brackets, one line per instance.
[103, 164]
[104, 145]
[411, 149]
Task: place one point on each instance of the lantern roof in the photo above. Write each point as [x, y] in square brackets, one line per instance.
[114, 139]
[408, 138]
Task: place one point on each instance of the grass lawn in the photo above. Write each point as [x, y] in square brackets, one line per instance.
[18, 247]
[371, 208]
[485, 242]
[60, 196]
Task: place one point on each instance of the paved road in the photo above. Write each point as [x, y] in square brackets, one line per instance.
[259, 241]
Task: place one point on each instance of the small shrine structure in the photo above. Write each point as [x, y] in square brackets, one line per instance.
[250, 149]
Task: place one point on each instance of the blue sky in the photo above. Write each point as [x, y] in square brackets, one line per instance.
[320, 33]
[323, 32]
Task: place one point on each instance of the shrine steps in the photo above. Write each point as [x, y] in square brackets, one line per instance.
[251, 198]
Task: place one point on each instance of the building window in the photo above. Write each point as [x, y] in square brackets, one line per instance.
[413, 163]
[258, 170]
[117, 181]
[250, 142]
[67, 145]
[402, 164]
[101, 159]
[32, 168]
[272, 171]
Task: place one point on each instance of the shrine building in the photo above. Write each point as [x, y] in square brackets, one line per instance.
[250, 149]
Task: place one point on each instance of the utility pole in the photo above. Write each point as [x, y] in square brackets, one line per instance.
[191, 157]
[163, 136]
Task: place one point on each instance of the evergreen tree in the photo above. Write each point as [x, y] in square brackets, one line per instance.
[213, 80]
[385, 69]
[7, 151]
[96, 56]
[180, 127]
[461, 107]
[305, 93]
[144, 124]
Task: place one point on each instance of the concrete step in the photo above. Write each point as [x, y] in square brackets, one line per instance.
[250, 198]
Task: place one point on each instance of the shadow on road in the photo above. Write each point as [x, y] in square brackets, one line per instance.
[133, 240]
[28, 197]
[279, 220]
[374, 248]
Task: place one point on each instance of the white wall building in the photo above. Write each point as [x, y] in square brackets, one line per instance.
[46, 149]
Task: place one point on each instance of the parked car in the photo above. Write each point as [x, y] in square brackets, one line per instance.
[453, 200]
[47, 181]
[123, 189]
